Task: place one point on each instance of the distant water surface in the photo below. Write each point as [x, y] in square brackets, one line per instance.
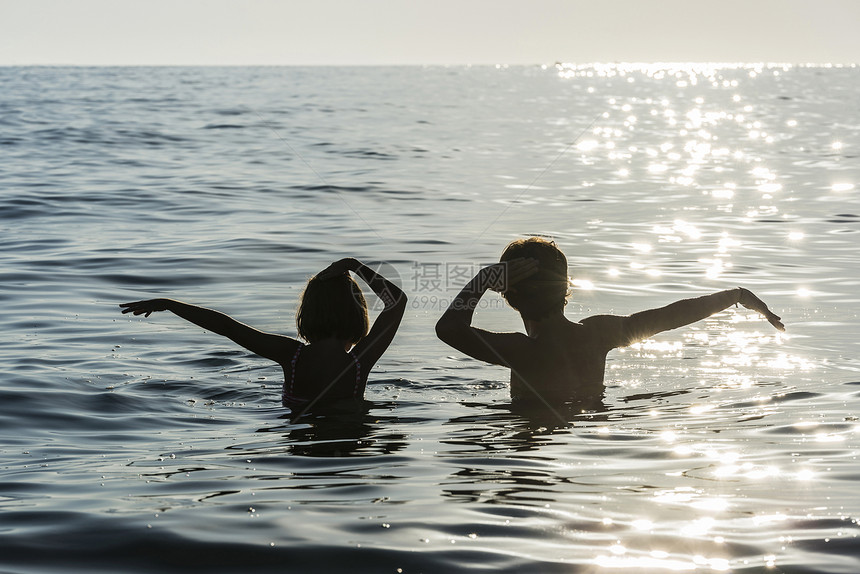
[130, 445]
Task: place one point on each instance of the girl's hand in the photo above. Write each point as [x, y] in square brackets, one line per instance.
[502, 277]
[339, 268]
[146, 307]
[750, 301]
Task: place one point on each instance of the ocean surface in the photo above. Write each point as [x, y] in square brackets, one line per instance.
[149, 445]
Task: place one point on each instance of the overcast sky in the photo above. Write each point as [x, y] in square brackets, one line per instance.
[313, 32]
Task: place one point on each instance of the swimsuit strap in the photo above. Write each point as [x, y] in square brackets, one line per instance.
[357, 373]
[293, 367]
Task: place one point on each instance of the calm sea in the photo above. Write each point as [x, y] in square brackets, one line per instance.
[132, 445]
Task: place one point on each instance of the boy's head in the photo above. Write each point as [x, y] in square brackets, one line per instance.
[544, 292]
[332, 308]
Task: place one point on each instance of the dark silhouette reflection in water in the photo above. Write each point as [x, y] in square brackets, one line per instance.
[563, 414]
[511, 453]
[342, 433]
[503, 451]
[520, 426]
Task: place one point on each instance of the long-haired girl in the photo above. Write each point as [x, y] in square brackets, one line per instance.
[332, 366]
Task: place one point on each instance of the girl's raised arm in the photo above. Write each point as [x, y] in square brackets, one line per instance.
[277, 348]
[371, 347]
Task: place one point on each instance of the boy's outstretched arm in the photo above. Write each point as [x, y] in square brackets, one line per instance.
[270, 346]
[455, 325]
[647, 323]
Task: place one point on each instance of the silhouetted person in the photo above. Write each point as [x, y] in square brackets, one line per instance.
[332, 317]
[558, 359]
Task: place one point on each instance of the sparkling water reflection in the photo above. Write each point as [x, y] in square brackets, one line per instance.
[721, 447]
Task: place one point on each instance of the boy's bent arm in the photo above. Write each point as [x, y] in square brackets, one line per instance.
[644, 324]
[455, 325]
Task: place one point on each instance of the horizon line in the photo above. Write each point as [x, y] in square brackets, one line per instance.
[557, 64]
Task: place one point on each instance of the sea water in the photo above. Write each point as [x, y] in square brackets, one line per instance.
[149, 445]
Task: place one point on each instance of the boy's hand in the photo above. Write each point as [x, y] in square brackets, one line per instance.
[146, 307]
[750, 301]
[502, 277]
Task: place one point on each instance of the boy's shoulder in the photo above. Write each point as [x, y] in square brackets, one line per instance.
[598, 321]
[606, 330]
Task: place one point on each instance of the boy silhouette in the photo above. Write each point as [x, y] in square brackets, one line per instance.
[557, 359]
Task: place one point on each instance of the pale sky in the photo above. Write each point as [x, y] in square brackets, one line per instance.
[349, 32]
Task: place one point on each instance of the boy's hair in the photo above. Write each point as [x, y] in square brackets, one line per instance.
[545, 291]
[333, 307]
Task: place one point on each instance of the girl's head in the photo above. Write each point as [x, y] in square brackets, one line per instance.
[544, 292]
[332, 308]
